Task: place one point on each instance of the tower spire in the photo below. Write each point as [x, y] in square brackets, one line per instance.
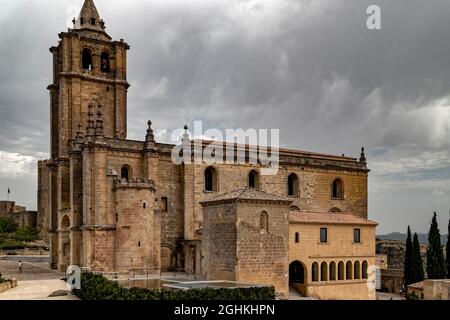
[89, 17]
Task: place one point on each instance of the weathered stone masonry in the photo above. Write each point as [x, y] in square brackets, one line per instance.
[114, 204]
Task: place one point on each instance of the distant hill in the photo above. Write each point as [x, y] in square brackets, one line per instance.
[423, 237]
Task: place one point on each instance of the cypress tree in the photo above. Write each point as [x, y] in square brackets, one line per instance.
[417, 273]
[408, 259]
[447, 251]
[436, 268]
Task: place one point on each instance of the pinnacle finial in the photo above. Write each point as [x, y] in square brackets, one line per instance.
[186, 134]
[362, 159]
[79, 137]
[149, 137]
[99, 123]
[90, 122]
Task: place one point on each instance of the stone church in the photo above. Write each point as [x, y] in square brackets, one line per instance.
[116, 205]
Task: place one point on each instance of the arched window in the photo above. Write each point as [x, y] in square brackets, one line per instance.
[93, 21]
[364, 269]
[348, 270]
[253, 179]
[81, 21]
[125, 173]
[294, 208]
[337, 189]
[341, 270]
[323, 271]
[293, 185]
[86, 59]
[335, 210]
[297, 237]
[105, 62]
[315, 271]
[264, 221]
[210, 179]
[357, 270]
[332, 271]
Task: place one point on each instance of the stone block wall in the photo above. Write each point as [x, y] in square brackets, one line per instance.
[219, 243]
[262, 256]
[137, 244]
[314, 189]
[236, 248]
[43, 198]
[339, 248]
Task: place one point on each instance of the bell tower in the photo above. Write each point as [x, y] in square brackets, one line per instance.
[89, 70]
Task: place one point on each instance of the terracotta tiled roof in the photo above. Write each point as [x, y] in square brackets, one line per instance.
[245, 194]
[296, 217]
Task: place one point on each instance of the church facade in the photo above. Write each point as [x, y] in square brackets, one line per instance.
[112, 204]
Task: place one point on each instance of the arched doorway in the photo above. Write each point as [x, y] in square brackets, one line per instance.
[297, 276]
[167, 258]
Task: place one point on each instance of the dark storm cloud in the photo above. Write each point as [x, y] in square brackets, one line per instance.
[310, 68]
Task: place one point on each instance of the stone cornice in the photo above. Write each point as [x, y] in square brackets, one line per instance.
[238, 201]
[93, 227]
[334, 223]
[83, 76]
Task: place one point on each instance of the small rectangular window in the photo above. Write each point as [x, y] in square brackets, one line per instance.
[357, 235]
[297, 237]
[323, 235]
[163, 205]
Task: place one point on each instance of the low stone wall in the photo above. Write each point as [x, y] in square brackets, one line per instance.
[25, 252]
[8, 284]
[335, 290]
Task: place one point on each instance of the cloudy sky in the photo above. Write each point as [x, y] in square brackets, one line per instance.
[308, 67]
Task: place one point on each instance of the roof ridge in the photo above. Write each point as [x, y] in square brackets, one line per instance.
[241, 192]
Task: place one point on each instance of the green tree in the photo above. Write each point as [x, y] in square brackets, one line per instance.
[7, 225]
[417, 273]
[436, 268]
[447, 251]
[26, 234]
[408, 259]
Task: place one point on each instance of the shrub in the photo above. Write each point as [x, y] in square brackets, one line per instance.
[12, 245]
[7, 225]
[26, 234]
[97, 287]
[411, 296]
